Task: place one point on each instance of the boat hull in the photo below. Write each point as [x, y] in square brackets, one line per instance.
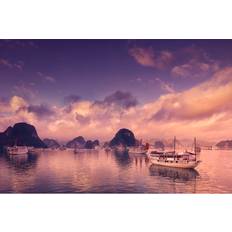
[17, 150]
[137, 152]
[18, 153]
[185, 165]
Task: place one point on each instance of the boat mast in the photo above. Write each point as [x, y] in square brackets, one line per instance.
[195, 146]
[174, 144]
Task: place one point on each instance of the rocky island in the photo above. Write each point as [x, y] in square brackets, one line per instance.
[80, 143]
[21, 134]
[51, 143]
[224, 144]
[123, 137]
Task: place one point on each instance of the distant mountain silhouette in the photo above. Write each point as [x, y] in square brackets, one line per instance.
[225, 144]
[159, 145]
[96, 143]
[78, 142]
[89, 144]
[21, 134]
[124, 137]
[51, 143]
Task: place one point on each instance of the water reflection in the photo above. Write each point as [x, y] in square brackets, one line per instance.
[122, 158]
[173, 173]
[22, 163]
[64, 171]
[140, 160]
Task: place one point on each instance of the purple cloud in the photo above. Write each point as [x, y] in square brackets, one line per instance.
[147, 57]
[121, 99]
[194, 68]
[40, 110]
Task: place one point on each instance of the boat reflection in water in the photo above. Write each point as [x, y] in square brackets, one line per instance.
[122, 158]
[104, 172]
[140, 160]
[173, 173]
[22, 162]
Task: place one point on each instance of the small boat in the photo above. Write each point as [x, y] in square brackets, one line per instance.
[32, 149]
[137, 150]
[17, 150]
[186, 159]
[121, 148]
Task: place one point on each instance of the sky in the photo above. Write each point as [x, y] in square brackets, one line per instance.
[156, 88]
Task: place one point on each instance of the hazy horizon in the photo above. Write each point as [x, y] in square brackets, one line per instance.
[149, 140]
[92, 88]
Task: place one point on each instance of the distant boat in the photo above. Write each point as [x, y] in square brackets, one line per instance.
[17, 150]
[35, 149]
[137, 150]
[121, 148]
[175, 159]
[31, 149]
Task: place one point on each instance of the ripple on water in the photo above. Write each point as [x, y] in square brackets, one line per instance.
[97, 172]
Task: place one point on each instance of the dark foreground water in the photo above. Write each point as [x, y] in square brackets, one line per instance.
[101, 172]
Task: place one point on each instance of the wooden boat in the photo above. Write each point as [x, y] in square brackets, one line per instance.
[17, 150]
[186, 159]
[121, 148]
[137, 150]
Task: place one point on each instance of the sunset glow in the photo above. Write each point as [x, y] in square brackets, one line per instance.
[156, 88]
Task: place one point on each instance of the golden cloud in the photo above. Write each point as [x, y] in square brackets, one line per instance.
[204, 111]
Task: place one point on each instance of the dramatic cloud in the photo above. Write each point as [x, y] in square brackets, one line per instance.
[70, 101]
[196, 63]
[204, 111]
[189, 62]
[18, 103]
[210, 98]
[82, 119]
[40, 110]
[120, 99]
[147, 57]
[194, 68]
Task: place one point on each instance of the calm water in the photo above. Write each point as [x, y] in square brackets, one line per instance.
[97, 172]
